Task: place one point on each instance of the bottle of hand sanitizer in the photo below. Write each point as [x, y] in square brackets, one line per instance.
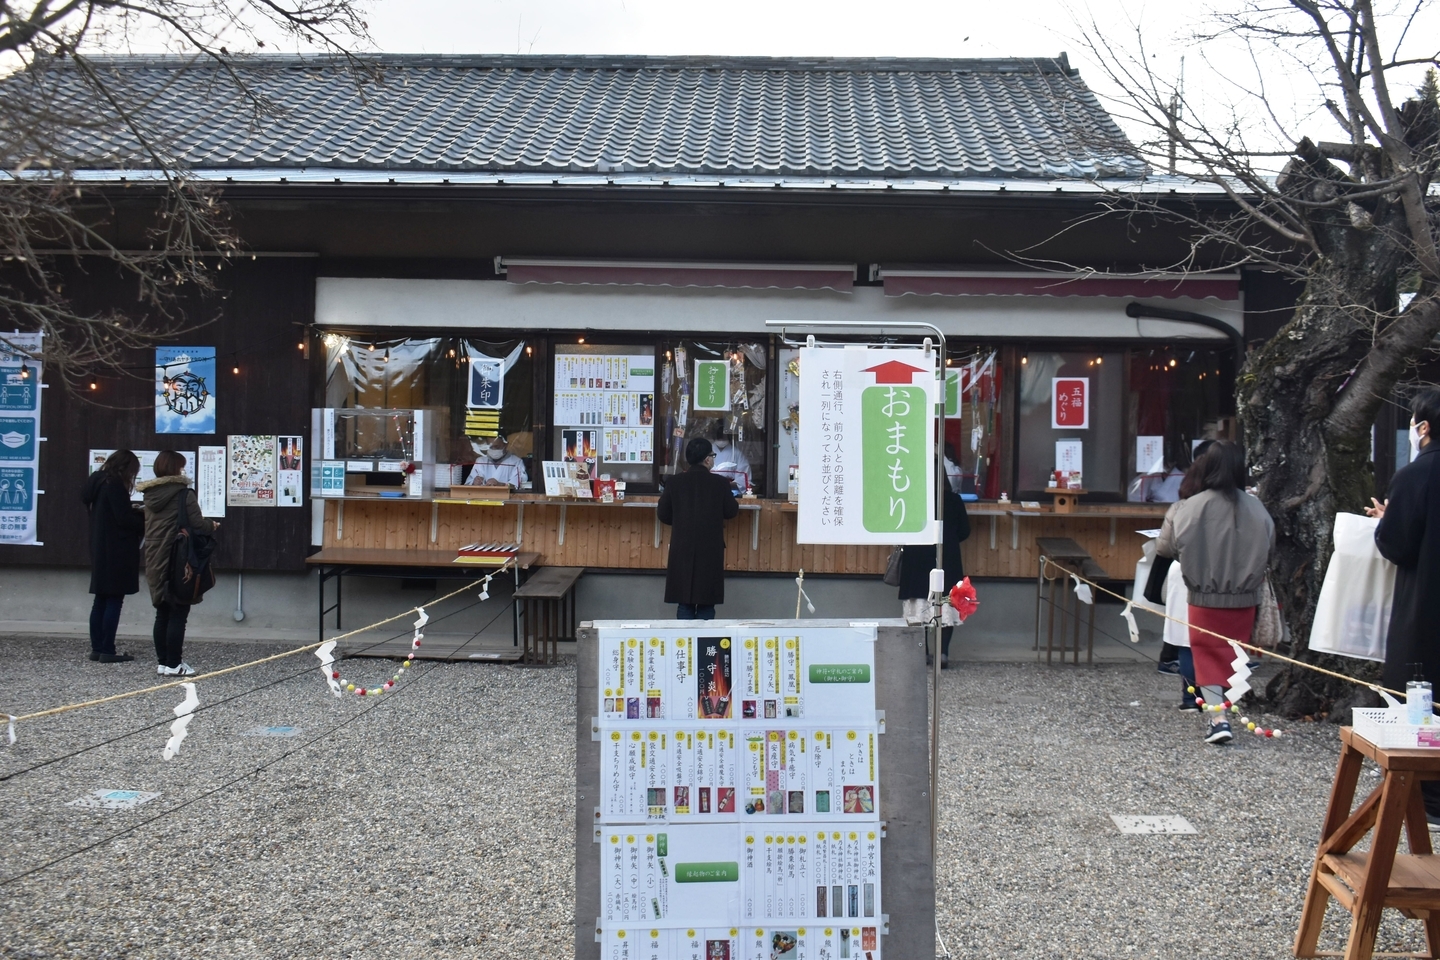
[1419, 699]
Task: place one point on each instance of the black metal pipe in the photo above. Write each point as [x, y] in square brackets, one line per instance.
[1141, 311]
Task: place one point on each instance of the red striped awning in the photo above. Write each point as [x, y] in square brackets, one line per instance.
[760, 276]
[969, 283]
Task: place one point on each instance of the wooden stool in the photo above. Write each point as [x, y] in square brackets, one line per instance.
[547, 605]
[1368, 881]
[1070, 557]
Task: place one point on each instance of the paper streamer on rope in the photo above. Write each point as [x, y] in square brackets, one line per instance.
[180, 729]
[420, 621]
[326, 653]
[1238, 680]
[800, 585]
[1129, 616]
[484, 589]
[12, 727]
[1082, 591]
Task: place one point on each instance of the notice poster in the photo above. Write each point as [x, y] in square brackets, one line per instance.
[210, 481]
[251, 471]
[580, 446]
[628, 445]
[290, 472]
[1070, 403]
[1150, 455]
[712, 385]
[1070, 456]
[97, 460]
[867, 440]
[597, 390]
[20, 396]
[185, 389]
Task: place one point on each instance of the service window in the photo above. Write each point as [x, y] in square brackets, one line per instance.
[716, 389]
[604, 409]
[481, 389]
[1178, 396]
[1071, 419]
[974, 426]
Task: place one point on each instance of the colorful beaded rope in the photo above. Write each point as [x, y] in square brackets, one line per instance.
[1246, 722]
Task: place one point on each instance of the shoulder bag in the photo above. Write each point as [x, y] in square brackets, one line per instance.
[892, 567]
[191, 574]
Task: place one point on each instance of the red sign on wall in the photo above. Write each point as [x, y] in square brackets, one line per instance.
[1070, 403]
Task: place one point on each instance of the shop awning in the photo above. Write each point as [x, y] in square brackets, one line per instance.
[921, 281]
[781, 276]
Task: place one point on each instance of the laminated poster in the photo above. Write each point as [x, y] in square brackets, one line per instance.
[251, 471]
[712, 385]
[20, 397]
[97, 460]
[290, 475]
[210, 481]
[739, 797]
[185, 389]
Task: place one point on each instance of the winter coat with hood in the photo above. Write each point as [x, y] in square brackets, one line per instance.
[1223, 546]
[162, 521]
[115, 530]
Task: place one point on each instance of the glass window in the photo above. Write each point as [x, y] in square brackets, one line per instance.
[1093, 388]
[733, 419]
[604, 409]
[478, 388]
[974, 430]
[1178, 397]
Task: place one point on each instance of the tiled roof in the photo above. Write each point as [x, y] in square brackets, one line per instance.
[1013, 118]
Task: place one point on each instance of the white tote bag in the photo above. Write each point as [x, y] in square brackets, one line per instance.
[1353, 614]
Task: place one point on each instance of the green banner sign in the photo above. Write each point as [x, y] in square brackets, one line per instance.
[952, 393]
[719, 871]
[712, 385]
[839, 673]
[893, 424]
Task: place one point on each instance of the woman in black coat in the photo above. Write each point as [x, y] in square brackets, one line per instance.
[918, 560]
[115, 531]
[696, 503]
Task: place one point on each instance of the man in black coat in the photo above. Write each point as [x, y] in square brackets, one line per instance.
[1408, 535]
[696, 504]
[917, 560]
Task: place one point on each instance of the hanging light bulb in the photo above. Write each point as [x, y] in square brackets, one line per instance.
[94, 385]
[24, 371]
[235, 369]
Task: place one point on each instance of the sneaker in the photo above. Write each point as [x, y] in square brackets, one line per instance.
[114, 657]
[1219, 733]
[944, 663]
[184, 670]
[1168, 666]
[165, 671]
[1188, 705]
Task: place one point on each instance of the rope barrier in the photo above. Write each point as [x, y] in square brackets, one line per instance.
[55, 711]
[1244, 646]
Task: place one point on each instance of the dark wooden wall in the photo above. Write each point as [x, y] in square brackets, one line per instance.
[255, 321]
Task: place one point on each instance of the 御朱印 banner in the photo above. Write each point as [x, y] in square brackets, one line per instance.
[867, 445]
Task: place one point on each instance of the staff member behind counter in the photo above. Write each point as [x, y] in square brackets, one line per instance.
[495, 465]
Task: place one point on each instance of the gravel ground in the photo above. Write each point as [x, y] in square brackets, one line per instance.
[436, 821]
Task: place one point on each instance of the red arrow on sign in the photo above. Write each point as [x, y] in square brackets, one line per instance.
[893, 371]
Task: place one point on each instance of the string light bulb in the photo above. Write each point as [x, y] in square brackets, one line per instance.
[24, 371]
[1024, 360]
[94, 385]
[235, 369]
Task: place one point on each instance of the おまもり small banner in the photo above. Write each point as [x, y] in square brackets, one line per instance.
[867, 445]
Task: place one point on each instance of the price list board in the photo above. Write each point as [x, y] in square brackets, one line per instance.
[739, 808]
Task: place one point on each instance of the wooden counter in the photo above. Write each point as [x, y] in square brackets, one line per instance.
[628, 535]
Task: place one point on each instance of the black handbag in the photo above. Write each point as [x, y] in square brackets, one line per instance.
[191, 574]
[1155, 585]
[892, 567]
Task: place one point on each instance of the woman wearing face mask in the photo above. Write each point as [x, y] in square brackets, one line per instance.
[730, 462]
[496, 465]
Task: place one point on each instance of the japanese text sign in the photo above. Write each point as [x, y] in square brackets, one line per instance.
[1070, 403]
[868, 445]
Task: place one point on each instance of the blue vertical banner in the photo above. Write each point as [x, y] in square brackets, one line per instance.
[185, 389]
[20, 393]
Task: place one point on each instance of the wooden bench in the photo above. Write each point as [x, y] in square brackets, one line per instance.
[1069, 557]
[547, 609]
[1368, 881]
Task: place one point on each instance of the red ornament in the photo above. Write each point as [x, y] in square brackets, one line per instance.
[1269, 733]
[360, 692]
[963, 599]
[415, 644]
[335, 675]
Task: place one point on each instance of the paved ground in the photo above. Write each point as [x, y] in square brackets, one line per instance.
[392, 827]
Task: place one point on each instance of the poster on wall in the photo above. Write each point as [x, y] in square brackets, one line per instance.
[210, 481]
[184, 389]
[20, 395]
[251, 471]
[712, 385]
[867, 442]
[487, 383]
[290, 461]
[1070, 403]
[579, 446]
[97, 460]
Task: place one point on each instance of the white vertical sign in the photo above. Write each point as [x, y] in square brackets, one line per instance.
[867, 445]
[210, 481]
